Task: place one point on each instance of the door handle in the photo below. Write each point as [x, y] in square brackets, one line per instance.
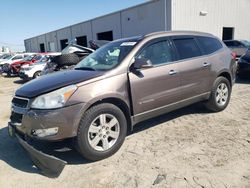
[172, 72]
[206, 64]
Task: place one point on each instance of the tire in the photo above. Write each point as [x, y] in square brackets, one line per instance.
[219, 101]
[66, 59]
[37, 74]
[88, 133]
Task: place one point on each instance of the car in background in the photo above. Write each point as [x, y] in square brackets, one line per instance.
[244, 65]
[32, 71]
[14, 58]
[70, 56]
[15, 67]
[4, 64]
[4, 56]
[238, 46]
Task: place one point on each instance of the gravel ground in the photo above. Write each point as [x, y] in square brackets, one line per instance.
[186, 148]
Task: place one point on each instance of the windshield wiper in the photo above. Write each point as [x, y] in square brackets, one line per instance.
[85, 68]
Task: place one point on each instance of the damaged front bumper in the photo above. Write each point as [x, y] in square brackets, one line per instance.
[49, 165]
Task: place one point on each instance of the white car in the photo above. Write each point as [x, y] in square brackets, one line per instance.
[3, 57]
[13, 58]
[33, 71]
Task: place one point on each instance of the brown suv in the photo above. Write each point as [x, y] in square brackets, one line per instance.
[124, 82]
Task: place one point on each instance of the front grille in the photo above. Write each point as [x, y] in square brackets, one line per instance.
[16, 118]
[20, 102]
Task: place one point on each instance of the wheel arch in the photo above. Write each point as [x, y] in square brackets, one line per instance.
[118, 103]
[226, 75]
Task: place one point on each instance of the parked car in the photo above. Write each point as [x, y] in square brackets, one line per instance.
[244, 65]
[12, 59]
[4, 56]
[32, 71]
[238, 46]
[14, 68]
[4, 64]
[70, 56]
[119, 85]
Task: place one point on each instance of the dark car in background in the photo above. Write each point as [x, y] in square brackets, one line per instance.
[238, 46]
[244, 65]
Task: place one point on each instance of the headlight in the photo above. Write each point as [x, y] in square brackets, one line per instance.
[55, 99]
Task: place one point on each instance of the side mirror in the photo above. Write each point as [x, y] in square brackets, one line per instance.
[142, 64]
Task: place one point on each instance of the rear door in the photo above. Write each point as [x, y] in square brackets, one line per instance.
[193, 68]
[159, 85]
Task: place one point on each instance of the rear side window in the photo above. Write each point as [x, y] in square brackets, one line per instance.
[186, 48]
[209, 45]
[233, 43]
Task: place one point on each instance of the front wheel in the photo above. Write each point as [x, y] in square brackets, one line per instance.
[37, 74]
[220, 95]
[101, 132]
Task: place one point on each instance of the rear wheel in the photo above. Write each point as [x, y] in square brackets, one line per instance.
[101, 132]
[220, 95]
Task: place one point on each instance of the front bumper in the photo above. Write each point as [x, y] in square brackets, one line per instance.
[65, 119]
[49, 165]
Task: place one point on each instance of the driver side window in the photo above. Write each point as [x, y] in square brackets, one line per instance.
[157, 53]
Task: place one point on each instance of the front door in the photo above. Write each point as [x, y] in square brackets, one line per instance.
[154, 88]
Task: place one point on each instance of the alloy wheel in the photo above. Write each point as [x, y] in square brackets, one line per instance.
[103, 132]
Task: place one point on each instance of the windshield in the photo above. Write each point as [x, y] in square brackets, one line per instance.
[29, 58]
[43, 60]
[246, 43]
[108, 56]
[5, 56]
[8, 57]
[37, 58]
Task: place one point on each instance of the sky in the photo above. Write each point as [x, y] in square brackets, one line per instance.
[22, 19]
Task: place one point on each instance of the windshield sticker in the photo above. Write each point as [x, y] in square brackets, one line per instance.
[128, 44]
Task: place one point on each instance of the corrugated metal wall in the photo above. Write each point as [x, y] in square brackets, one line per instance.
[153, 16]
[137, 20]
[220, 13]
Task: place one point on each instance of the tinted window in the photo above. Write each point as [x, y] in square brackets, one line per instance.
[209, 45]
[186, 48]
[233, 43]
[157, 53]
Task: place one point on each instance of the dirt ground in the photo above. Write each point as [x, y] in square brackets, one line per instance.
[186, 148]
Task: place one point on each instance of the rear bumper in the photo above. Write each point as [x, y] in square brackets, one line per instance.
[49, 165]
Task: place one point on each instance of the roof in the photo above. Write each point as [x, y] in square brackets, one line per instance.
[174, 33]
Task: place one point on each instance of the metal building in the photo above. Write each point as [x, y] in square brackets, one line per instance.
[227, 19]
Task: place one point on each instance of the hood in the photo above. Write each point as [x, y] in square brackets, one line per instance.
[55, 81]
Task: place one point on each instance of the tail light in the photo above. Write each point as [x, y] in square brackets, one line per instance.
[233, 54]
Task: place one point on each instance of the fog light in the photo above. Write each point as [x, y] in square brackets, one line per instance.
[45, 132]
